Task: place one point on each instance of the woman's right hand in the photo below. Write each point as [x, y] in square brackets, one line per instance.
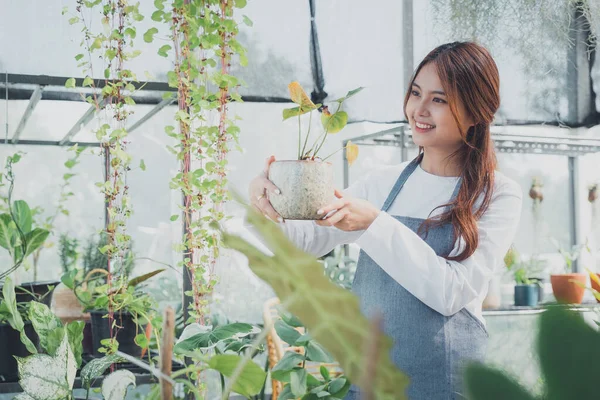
[259, 191]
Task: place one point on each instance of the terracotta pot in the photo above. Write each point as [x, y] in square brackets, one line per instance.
[66, 306]
[595, 286]
[566, 291]
[305, 186]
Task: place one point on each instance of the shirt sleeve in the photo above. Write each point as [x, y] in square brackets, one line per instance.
[445, 286]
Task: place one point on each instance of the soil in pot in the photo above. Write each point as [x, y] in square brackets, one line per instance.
[125, 334]
[11, 346]
[566, 291]
[526, 295]
[305, 187]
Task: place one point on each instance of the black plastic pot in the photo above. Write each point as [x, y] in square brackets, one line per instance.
[526, 295]
[30, 291]
[125, 334]
[10, 346]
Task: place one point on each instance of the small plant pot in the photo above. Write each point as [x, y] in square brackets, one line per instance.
[305, 187]
[41, 289]
[539, 282]
[66, 306]
[596, 287]
[11, 346]
[526, 295]
[566, 291]
[125, 333]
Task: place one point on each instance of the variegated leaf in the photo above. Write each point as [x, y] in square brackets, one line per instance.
[115, 385]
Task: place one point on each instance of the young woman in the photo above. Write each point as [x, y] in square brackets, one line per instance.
[431, 231]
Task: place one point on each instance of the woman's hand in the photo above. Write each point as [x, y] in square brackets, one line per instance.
[260, 189]
[351, 215]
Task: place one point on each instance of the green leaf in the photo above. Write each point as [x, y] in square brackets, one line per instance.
[47, 326]
[286, 332]
[298, 382]
[6, 231]
[288, 362]
[114, 386]
[22, 214]
[70, 83]
[315, 352]
[295, 111]
[158, 4]
[35, 239]
[251, 379]
[247, 20]
[130, 32]
[106, 75]
[324, 372]
[78, 57]
[96, 367]
[96, 44]
[142, 278]
[149, 35]
[73, 20]
[70, 163]
[334, 123]
[75, 336]
[157, 16]
[142, 165]
[331, 313]
[240, 3]
[110, 54]
[337, 385]
[163, 50]
[483, 383]
[44, 377]
[349, 94]
[15, 320]
[207, 340]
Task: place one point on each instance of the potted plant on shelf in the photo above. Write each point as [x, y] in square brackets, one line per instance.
[306, 184]
[527, 288]
[569, 287]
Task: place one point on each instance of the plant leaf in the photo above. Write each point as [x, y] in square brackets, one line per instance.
[35, 239]
[47, 326]
[115, 385]
[22, 215]
[330, 313]
[149, 35]
[335, 122]
[6, 232]
[295, 111]
[484, 383]
[287, 333]
[142, 278]
[74, 331]
[207, 340]
[96, 367]
[351, 152]
[349, 94]
[44, 377]
[298, 382]
[251, 379]
[15, 320]
[299, 96]
[316, 352]
[288, 362]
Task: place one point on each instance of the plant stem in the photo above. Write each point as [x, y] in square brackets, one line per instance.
[307, 134]
[326, 131]
[299, 136]
[334, 153]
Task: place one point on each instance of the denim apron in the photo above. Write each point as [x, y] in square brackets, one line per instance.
[428, 346]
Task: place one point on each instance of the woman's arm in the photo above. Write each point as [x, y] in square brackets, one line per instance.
[446, 286]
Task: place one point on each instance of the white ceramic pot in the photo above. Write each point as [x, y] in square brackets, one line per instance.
[305, 186]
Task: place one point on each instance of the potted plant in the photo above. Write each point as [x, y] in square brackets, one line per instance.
[306, 184]
[527, 289]
[564, 285]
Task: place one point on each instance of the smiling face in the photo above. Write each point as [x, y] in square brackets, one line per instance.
[429, 114]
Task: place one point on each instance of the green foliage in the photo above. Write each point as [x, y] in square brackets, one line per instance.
[332, 123]
[68, 252]
[568, 350]
[203, 49]
[331, 314]
[340, 268]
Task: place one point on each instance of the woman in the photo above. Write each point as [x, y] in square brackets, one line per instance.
[431, 231]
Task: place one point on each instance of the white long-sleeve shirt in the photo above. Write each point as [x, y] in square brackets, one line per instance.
[445, 286]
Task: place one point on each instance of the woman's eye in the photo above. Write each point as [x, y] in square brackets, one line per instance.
[414, 93]
[438, 100]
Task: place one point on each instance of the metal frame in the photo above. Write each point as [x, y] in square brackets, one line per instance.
[570, 146]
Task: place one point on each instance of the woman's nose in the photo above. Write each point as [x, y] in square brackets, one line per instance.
[422, 109]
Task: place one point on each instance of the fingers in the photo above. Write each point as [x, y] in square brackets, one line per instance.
[268, 163]
[336, 205]
[270, 187]
[338, 194]
[334, 219]
[267, 209]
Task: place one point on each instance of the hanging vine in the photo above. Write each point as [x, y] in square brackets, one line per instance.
[111, 97]
[203, 44]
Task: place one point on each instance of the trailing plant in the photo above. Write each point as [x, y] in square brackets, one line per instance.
[203, 48]
[111, 97]
[340, 268]
[18, 233]
[332, 123]
[293, 368]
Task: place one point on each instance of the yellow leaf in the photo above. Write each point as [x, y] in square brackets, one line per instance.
[299, 96]
[351, 152]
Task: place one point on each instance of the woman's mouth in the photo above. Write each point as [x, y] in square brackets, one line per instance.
[422, 128]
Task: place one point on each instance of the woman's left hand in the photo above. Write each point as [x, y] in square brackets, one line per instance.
[352, 214]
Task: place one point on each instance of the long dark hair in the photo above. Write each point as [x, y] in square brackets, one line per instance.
[468, 74]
